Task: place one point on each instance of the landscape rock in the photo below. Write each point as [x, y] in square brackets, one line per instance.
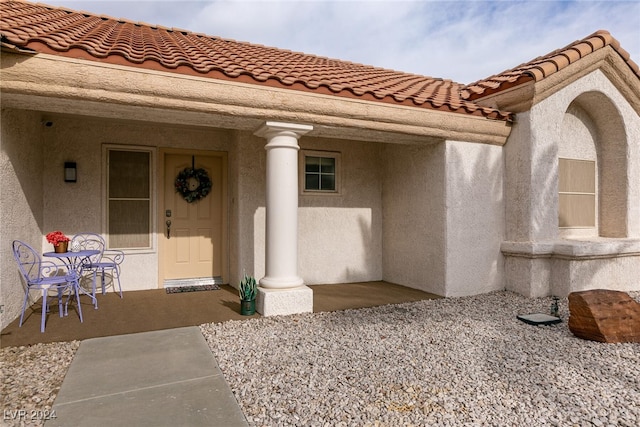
[604, 316]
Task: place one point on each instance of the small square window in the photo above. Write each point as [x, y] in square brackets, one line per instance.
[319, 172]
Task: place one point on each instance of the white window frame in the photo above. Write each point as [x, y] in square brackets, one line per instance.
[302, 172]
[106, 148]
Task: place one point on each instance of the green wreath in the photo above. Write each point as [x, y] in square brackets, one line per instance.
[193, 184]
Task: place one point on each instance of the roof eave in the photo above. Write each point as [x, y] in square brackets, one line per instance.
[86, 87]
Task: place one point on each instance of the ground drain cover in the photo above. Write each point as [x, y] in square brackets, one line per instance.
[539, 319]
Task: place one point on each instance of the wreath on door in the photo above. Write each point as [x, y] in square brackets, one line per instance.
[193, 184]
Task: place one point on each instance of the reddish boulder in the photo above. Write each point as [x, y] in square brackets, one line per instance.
[605, 316]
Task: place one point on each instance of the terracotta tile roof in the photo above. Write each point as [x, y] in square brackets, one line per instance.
[64, 32]
[546, 65]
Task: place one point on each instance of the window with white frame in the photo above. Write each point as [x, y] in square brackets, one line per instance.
[576, 193]
[129, 198]
[320, 172]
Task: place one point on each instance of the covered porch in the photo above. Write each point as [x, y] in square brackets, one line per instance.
[150, 310]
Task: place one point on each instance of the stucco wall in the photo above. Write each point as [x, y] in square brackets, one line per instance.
[77, 207]
[339, 235]
[250, 201]
[414, 216]
[21, 212]
[518, 189]
[474, 218]
[563, 266]
[601, 273]
[532, 153]
[527, 276]
[590, 108]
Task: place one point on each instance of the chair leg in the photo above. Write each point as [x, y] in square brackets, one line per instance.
[77, 289]
[60, 292]
[44, 310]
[24, 306]
[93, 293]
[117, 272]
[115, 275]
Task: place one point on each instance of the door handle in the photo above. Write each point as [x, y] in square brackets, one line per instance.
[168, 222]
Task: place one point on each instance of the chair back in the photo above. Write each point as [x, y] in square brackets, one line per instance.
[29, 261]
[84, 241]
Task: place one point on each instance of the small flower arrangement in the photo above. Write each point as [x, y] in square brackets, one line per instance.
[57, 237]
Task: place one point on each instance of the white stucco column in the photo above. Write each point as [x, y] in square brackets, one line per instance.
[281, 289]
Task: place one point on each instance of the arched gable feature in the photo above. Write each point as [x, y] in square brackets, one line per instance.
[592, 169]
[612, 152]
[590, 122]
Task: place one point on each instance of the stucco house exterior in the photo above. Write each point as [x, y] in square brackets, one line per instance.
[322, 171]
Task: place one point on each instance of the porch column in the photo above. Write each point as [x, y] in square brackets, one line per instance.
[281, 290]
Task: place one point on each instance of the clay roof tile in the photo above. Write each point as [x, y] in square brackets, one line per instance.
[544, 66]
[61, 31]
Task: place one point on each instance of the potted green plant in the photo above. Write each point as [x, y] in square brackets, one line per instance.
[248, 290]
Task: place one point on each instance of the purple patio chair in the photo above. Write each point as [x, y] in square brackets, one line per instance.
[105, 260]
[45, 276]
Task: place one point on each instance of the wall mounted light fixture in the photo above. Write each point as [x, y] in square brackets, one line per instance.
[70, 172]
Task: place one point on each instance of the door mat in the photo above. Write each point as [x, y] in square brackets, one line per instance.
[193, 288]
[175, 286]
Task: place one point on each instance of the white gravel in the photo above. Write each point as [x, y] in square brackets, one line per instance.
[455, 361]
[30, 378]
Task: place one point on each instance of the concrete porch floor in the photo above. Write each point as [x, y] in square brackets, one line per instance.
[153, 310]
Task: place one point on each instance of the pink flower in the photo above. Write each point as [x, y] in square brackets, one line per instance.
[56, 237]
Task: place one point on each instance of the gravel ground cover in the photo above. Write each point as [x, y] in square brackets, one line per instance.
[30, 378]
[448, 362]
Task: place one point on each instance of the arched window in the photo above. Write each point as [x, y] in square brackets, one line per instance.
[592, 170]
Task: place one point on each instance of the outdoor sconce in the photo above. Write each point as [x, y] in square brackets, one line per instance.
[70, 172]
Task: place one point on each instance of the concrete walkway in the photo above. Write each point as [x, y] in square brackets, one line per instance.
[159, 378]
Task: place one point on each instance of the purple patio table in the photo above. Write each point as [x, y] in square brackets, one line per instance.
[74, 260]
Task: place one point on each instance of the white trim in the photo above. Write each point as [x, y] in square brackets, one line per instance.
[590, 229]
[336, 155]
[152, 197]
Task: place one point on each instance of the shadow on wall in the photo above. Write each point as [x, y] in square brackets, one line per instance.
[21, 174]
[339, 245]
[533, 198]
[475, 218]
[413, 199]
[370, 267]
